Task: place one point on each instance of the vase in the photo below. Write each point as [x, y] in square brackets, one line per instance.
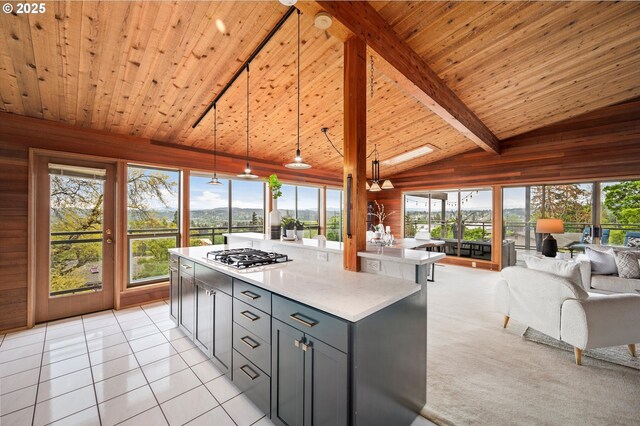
[274, 219]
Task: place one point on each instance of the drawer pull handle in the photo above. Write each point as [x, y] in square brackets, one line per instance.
[303, 320]
[250, 316]
[250, 374]
[186, 266]
[250, 295]
[250, 342]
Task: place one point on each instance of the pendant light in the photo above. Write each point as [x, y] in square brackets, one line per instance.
[375, 175]
[214, 180]
[247, 170]
[297, 162]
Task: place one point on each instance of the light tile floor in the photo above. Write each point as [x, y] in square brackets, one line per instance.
[128, 367]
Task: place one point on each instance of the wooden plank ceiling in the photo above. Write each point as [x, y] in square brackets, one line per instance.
[150, 68]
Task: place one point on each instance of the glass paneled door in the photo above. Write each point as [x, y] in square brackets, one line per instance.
[75, 237]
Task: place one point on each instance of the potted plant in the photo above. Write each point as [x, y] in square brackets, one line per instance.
[274, 215]
[289, 226]
[299, 229]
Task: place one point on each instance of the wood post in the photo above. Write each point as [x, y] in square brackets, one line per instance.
[355, 150]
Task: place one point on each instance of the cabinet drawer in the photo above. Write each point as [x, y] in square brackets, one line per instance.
[252, 319]
[322, 326]
[186, 266]
[174, 261]
[214, 278]
[252, 381]
[252, 295]
[252, 347]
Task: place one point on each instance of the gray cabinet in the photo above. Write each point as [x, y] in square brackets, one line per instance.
[309, 384]
[203, 330]
[187, 301]
[222, 331]
[287, 375]
[174, 284]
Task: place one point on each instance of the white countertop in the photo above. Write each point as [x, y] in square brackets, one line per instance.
[415, 257]
[348, 295]
[305, 243]
[412, 243]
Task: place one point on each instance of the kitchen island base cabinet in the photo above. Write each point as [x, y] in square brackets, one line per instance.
[309, 379]
[187, 292]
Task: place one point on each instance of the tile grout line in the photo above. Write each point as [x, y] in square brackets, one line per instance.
[143, 375]
[35, 402]
[93, 379]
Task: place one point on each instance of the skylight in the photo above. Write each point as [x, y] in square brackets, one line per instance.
[409, 155]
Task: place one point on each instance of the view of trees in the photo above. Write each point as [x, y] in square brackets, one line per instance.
[621, 206]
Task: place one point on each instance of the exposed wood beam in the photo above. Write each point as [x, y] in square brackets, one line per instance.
[404, 66]
[355, 150]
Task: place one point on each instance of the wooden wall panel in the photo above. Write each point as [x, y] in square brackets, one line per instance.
[18, 134]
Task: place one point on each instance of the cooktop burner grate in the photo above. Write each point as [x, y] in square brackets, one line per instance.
[246, 257]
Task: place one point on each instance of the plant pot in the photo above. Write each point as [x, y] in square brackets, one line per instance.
[300, 234]
[290, 233]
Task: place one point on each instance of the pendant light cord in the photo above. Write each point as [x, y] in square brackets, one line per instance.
[298, 153]
[247, 116]
[215, 139]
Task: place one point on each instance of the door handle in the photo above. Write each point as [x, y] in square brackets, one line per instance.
[109, 240]
[308, 322]
[250, 316]
[250, 374]
[250, 295]
[249, 342]
[306, 346]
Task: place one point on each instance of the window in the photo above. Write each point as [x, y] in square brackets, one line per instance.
[620, 212]
[334, 215]
[247, 206]
[461, 217]
[153, 217]
[523, 206]
[301, 203]
[208, 210]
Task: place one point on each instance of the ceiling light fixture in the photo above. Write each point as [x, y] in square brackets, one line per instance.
[322, 21]
[410, 155]
[375, 175]
[288, 2]
[297, 162]
[214, 180]
[247, 170]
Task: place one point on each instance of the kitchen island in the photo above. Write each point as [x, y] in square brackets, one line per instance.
[306, 342]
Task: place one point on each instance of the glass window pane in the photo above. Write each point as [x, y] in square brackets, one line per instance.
[153, 208]
[620, 209]
[416, 214]
[76, 226]
[334, 215]
[247, 206]
[208, 211]
[287, 202]
[475, 221]
[308, 210]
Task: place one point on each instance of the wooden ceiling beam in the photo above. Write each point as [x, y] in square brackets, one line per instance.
[404, 66]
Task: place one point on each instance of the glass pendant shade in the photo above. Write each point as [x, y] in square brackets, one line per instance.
[375, 187]
[387, 184]
[297, 163]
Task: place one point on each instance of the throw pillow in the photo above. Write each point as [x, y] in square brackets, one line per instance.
[633, 242]
[603, 262]
[628, 263]
[561, 268]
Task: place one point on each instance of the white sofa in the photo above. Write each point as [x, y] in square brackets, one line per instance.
[563, 310]
[605, 283]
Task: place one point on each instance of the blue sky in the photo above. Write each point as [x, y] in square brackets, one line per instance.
[246, 194]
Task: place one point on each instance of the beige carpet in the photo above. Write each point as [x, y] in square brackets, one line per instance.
[480, 374]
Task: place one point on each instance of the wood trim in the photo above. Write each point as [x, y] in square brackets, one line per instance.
[185, 201]
[121, 230]
[463, 261]
[323, 210]
[355, 149]
[405, 67]
[148, 294]
[31, 244]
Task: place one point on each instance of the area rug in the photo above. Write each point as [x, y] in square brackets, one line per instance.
[617, 354]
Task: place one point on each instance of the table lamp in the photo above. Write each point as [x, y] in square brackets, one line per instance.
[549, 226]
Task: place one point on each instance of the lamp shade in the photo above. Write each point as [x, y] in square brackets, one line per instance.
[550, 226]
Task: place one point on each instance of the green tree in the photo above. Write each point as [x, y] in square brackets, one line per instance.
[571, 203]
[622, 202]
